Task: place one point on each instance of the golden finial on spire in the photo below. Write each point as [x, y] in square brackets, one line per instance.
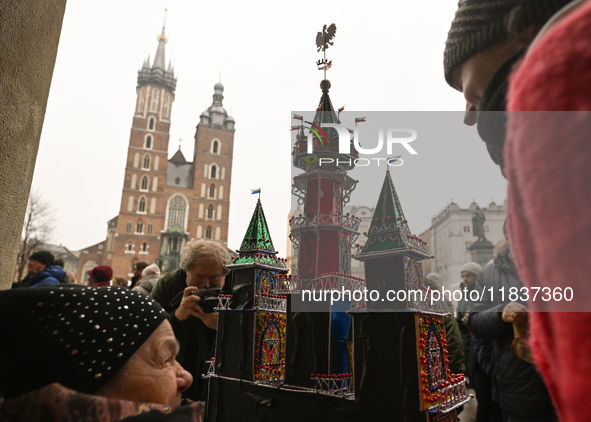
[162, 36]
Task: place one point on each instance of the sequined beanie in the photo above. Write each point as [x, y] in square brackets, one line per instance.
[479, 24]
[77, 336]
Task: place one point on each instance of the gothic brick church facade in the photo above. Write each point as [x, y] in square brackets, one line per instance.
[166, 202]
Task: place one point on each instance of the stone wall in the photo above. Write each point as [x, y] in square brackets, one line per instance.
[29, 36]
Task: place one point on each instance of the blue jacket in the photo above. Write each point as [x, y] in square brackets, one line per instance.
[52, 275]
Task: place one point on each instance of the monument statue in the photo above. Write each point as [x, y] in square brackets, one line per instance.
[478, 220]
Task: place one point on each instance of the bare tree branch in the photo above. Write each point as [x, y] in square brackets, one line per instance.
[37, 229]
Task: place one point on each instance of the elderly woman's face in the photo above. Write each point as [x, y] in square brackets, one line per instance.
[152, 374]
[206, 273]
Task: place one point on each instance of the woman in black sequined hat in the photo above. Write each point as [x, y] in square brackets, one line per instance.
[71, 352]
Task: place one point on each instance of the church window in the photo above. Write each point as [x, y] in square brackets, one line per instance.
[140, 101]
[151, 123]
[148, 142]
[215, 147]
[213, 172]
[155, 183]
[150, 226]
[130, 204]
[128, 227]
[136, 160]
[167, 105]
[212, 191]
[133, 181]
[156, 163]
[177, 210]
[210, 212]
[144, 184]
[146, 162]
[129, 247]
[139, 228]
[144, 247]
[208, 232]
[154, 99]
[142, 204]
[466, 229]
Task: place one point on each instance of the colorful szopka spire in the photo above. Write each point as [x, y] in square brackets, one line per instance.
[257, 247]
[389, 232]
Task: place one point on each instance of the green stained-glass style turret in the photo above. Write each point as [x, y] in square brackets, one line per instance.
[257, 247]
[389, 232]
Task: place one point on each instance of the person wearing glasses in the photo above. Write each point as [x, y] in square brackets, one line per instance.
[202, 267]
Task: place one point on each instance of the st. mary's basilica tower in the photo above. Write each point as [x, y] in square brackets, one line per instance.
[166, 202]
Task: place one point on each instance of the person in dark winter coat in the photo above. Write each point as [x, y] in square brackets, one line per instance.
[41, 270]
[52, 275]
[523, 395]
[203, 266]
[137, 272]
[150, 276]
[468, 273]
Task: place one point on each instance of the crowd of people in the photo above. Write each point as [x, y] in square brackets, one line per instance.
[114, 349]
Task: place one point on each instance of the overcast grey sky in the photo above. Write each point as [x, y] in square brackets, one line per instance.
[387, 56]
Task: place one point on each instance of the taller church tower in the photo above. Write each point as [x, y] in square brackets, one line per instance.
[165, 203]
[135, 234]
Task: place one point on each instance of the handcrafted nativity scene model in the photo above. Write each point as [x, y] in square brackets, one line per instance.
[282, 358]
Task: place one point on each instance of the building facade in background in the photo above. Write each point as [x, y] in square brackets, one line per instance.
[166, 202]
[451, 235]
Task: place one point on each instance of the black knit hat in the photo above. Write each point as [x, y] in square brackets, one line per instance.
[44, 257]
[479, 24]
[78, 336]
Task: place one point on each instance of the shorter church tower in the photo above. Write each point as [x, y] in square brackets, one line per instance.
[212, 161]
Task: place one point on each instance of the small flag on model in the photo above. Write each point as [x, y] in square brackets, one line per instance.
[394, 159]
[359, 119]
[298, 117]
[341, 109]
[295, 127]
[253, 191]
[319, 108]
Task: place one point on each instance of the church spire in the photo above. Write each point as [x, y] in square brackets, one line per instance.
[159, 59]
[158, 73]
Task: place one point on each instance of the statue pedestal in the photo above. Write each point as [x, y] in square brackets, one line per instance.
[482, 251]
